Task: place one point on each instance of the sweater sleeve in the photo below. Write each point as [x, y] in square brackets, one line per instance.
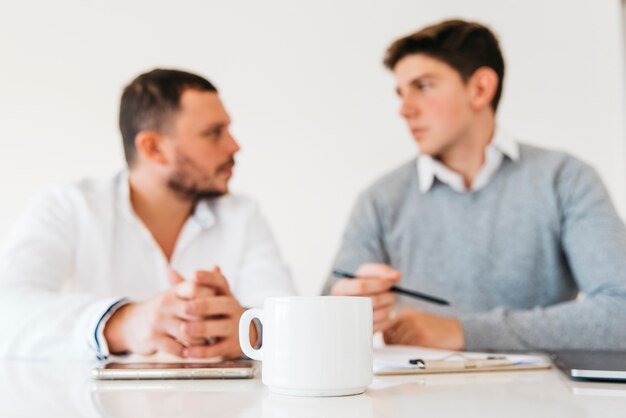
[362, 240]
[37, 317]
[593, 243]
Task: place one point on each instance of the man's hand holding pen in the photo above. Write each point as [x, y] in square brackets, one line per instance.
[409, 326]
[373, 280]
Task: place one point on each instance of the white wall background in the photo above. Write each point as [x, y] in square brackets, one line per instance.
[313, 108]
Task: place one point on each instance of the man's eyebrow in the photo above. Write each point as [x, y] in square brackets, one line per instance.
[216, 125]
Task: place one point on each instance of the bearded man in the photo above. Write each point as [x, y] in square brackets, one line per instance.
[160, 258]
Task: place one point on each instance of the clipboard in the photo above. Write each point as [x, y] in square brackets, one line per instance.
[403, 360]
[511, 368]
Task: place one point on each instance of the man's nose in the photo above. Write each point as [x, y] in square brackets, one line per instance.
[232, 144]
[408, 108]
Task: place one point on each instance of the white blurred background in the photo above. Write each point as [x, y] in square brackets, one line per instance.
[313, 108]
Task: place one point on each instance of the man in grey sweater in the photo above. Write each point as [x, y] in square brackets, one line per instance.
[524, 242]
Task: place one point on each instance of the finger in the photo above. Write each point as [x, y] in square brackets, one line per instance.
[213, 279]
[382, 313]
[386, 323]
[388, 336]
[192, 290]
[218, 272]
[174, 278]
[209, 328]
[360, 287]
[393, 337]
[389, 330]
[223, 348]
[404, 335]
[378, 270]
[171, 326]
[169, 345]
[172, 305]
[405, 331]
[383, 300]
[175, 328]
[212, 306]
[381, 325]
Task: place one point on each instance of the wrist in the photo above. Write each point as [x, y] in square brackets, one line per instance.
[114, 330]
[457, 336]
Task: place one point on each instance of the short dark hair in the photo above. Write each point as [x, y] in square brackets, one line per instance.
[465, 46]
[150, 101]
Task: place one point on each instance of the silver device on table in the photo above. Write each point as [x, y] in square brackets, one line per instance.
[240, 369]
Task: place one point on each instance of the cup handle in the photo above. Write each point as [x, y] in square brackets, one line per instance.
[244, 333]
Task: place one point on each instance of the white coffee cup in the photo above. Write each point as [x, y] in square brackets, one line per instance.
[313, 346]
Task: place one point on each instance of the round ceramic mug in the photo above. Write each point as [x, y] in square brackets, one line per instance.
[313, 346]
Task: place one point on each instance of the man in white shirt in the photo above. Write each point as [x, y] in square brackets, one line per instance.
[160, 258]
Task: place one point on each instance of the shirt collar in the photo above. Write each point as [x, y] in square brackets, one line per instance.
[505, 143]
[123, 195]
[428, 168]
[202, 215]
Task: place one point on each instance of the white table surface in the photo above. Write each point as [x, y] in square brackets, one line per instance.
[65, 389]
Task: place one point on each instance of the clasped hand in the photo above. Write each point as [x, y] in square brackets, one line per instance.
[198, 318]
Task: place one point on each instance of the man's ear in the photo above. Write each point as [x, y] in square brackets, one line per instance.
[483, 86]
[149, 145]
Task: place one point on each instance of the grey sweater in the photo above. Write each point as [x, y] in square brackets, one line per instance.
[511, 257]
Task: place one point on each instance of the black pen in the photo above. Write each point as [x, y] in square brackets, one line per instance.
[396, 289]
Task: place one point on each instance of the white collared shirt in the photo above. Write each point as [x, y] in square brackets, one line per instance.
[428, 168]
[80, 249]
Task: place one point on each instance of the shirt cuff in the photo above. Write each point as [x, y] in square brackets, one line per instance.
[489, 331]
[102, 348]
